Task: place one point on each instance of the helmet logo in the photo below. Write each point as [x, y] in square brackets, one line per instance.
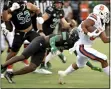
[101, 8]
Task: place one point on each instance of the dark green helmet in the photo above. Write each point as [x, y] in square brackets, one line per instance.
[58, 1]
[74, 36]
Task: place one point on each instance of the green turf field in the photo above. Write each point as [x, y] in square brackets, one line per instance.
[83, 78]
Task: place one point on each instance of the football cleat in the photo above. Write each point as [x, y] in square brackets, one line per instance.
[97, 69]
[42, 71]
[8, 76]
[61, 77]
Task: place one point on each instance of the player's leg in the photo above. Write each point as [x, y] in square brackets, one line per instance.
[2, 48]
[17, 43]
[9, 40]
[35, 62]
[10, 37]
[80, 63]
[49, 57]
[61, 56]
[37, 51]
[89, 64]
[30, 50]
[97, 56]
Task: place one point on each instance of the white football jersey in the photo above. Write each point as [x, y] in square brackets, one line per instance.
[85, 39]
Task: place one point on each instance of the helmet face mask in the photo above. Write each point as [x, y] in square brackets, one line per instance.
[102, 11]
[57, 5]
[73, 34]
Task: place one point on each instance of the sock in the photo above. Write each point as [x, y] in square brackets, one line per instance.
[89, 64]
[48, 57]
[10, 68]
[26, 62]
[106, 70]
[69, 70]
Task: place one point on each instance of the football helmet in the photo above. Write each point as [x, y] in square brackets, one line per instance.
[58, 1]
[102, 11]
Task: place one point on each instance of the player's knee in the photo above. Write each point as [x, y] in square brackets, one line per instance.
[32, 67]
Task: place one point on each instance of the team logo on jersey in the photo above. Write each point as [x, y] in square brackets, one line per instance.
[54, 15]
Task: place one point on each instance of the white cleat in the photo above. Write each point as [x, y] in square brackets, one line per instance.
[61, 77]
[2, 76]
[42, 71]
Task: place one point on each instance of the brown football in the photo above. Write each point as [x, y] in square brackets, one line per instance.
[91, 28]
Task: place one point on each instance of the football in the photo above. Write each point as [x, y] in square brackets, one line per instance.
[91, 29]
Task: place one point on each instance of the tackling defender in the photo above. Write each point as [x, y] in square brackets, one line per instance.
[36, 50]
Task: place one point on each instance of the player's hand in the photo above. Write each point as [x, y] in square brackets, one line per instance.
[15, 6]
[96, 69]
[40, 20]
[54, 50]
[73, 23]
[94, 34]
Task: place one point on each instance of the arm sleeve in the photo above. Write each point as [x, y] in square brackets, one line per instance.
[54, 39]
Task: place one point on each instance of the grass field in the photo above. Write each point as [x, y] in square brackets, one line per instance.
[83, 78]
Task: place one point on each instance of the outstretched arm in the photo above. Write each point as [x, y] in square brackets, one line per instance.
[54, 49]
[53, 41]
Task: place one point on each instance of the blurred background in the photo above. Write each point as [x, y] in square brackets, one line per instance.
[75, 9]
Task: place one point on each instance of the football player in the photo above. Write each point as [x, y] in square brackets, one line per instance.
[98, 18]
[18, 13]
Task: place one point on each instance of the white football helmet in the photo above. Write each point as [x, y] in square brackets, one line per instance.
[102, 11]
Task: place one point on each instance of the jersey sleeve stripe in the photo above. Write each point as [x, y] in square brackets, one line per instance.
[93, 16]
